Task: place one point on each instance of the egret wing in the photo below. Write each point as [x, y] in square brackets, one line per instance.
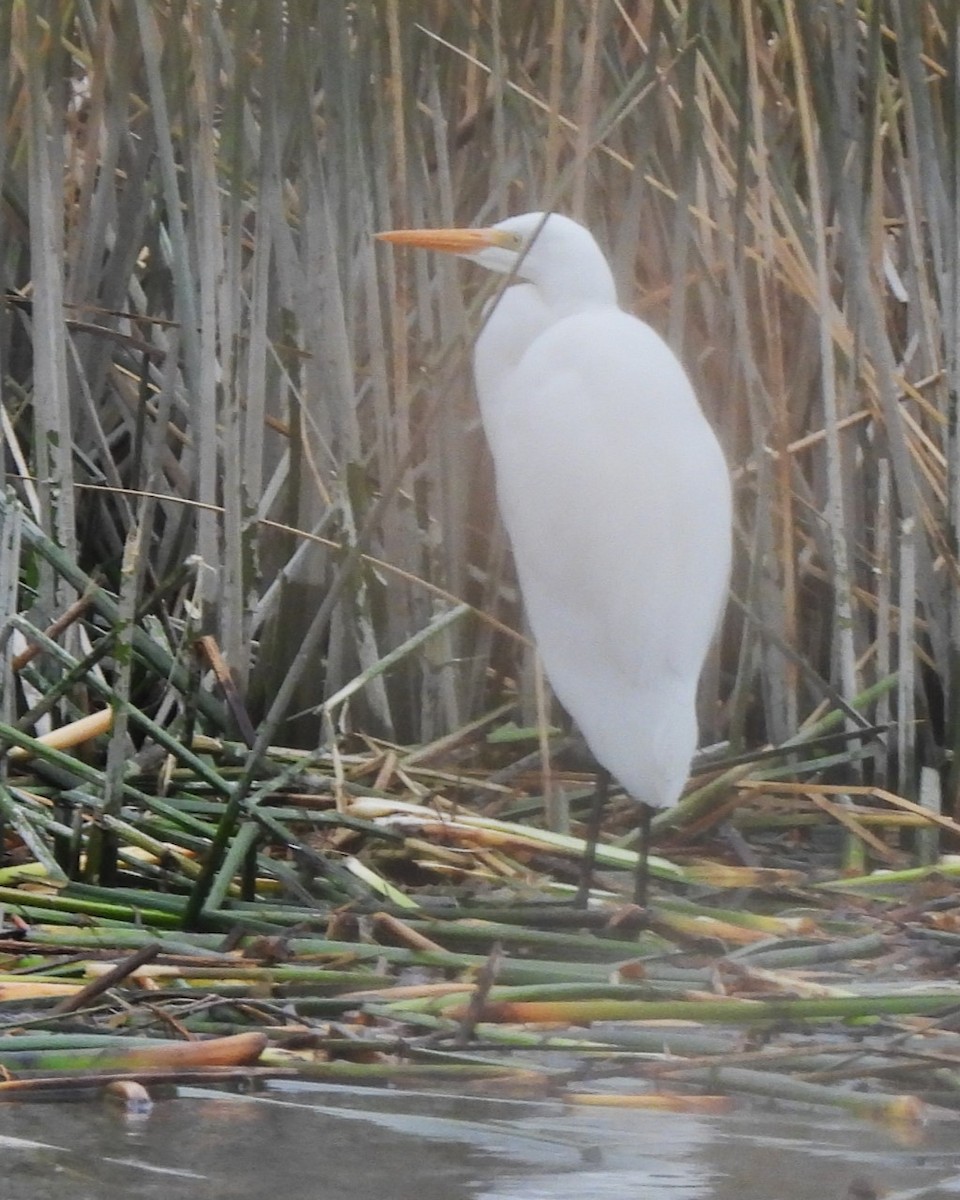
[616, 498]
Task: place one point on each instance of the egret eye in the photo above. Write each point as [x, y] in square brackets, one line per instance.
[510, 241]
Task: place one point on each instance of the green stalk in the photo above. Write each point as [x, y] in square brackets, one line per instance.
[700, 801]
[388, 1071]
[20, 821]
[165, 666]
[545, 993]
[198, 766]
[743, 1012]
[879, 880]
[783, 1087]
[16, 900]
[486, 932]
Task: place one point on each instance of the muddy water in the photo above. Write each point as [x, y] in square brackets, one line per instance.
[308, 1142]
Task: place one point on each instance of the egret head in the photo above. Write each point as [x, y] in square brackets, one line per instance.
[554, 253]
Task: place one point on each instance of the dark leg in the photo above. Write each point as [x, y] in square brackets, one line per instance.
[593, 833]
[642, 876]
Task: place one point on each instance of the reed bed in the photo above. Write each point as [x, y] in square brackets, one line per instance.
[372, 911]
[275, 763]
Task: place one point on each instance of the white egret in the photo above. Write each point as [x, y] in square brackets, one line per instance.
[615, 496]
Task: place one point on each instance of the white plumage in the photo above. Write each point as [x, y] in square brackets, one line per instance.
[613, 490]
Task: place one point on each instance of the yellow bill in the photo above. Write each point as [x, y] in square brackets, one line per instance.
[453, 241]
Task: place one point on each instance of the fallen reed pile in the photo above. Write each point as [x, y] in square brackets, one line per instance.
[180, 906]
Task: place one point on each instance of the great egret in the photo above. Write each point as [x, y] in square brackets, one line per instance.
[615, 496]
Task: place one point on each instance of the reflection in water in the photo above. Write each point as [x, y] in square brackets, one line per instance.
[301, 1142]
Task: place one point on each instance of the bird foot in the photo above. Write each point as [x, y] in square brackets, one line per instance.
[628, 918]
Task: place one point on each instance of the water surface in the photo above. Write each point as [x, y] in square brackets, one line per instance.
[303, 1142]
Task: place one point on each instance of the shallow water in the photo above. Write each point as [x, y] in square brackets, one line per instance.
[303, 1142]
